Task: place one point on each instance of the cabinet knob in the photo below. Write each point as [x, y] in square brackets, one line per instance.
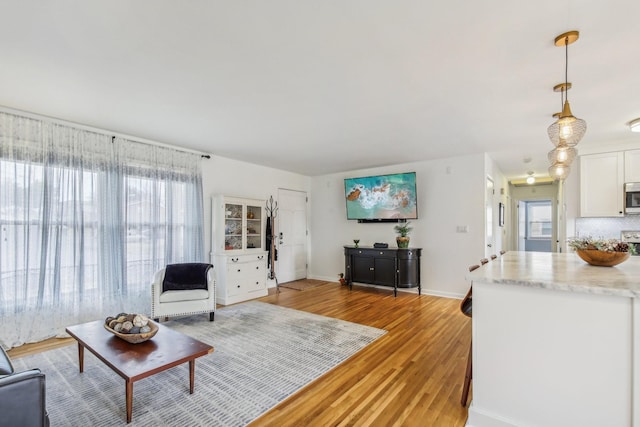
[371, 268]
[238, 270]
[359, 252]
[258, 267]
[238, 286]
[234, 259]
[260, 256]
[381, 253]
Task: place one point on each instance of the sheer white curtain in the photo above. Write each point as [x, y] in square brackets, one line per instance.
[85, 221]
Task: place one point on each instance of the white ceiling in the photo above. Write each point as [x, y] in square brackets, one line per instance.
[318, 87]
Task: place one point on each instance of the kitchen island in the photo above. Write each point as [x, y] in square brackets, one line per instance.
[556, 342]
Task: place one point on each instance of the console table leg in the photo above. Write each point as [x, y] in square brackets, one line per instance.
[129, 398]
[81, 357]
[192, 376]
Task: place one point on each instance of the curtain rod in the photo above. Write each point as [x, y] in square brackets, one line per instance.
[114, 135]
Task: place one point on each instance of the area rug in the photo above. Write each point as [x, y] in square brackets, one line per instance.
[263, 354]
[301, 285]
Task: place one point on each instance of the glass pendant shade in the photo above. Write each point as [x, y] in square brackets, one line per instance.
[559, 171]
[562, 154]
[568, 129]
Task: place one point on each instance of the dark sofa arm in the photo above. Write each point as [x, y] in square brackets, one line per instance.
[22, 399]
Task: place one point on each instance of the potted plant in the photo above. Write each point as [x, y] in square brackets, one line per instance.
[403, 231]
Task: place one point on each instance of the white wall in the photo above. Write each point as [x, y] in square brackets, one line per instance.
[235, 178]
[450, 194]
[501, 195]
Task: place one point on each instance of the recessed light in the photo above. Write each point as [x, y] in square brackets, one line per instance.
[634, 125]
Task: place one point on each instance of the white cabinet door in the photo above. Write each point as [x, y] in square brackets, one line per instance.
[601, 185]
[632, 166]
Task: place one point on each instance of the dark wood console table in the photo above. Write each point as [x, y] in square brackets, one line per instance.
[397, 268]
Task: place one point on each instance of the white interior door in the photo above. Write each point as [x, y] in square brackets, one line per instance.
[291, 236]
[489, 220]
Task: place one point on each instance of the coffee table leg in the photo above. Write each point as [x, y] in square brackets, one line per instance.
[192, 376]
[129, 397]
[81, 357]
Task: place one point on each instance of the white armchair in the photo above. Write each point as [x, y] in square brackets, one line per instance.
[182, 290]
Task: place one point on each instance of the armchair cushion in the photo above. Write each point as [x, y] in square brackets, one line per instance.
[187, 276]
[192, 295]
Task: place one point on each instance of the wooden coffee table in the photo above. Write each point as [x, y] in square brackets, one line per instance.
[131, 361]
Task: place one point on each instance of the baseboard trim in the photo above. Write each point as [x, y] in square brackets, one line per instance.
[432, 292]
[480, 418]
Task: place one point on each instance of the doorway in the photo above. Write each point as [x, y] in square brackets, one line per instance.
[535, 225]
[292, 235]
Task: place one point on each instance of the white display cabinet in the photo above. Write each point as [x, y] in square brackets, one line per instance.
[238, 234]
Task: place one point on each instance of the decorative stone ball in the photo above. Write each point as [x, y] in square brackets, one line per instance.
[135, 330]
[121, 318]
[140, 320]
[117, 327]
[113, 323]
[126, 326]
[145, 329]
[109, 319]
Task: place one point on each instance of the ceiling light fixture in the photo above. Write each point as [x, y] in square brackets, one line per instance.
[634, 125]
[559, 171]
[531, 179]
[567, 128]
[567, 131]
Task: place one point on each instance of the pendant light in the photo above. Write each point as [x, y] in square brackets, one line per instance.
[559, 171]
[563, 153]
[568, 128]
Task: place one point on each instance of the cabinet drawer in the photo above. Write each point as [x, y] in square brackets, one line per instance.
[243, 259]
[373, 253]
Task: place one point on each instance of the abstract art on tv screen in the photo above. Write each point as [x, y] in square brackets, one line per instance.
[382, 197]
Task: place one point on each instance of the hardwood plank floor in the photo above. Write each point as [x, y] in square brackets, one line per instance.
[412, 376]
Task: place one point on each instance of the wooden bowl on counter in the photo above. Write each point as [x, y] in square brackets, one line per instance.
[602, 258]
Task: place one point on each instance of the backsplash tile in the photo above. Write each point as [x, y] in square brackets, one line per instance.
[606, 228]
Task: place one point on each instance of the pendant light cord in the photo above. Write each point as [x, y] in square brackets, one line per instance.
[566, 67]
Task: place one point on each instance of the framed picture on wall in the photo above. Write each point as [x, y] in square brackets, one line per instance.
[500, 214]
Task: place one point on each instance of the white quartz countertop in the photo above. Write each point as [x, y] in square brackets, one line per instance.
[562, 272]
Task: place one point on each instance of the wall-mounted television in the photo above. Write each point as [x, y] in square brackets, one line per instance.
[382, 198]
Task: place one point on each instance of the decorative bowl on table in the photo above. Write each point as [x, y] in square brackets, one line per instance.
[602, 252]
[133, 328]
[602, 258]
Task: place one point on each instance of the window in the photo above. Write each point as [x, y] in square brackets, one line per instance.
[85, 222]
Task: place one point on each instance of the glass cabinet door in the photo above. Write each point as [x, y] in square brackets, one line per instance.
[254, 227]
[232, 227]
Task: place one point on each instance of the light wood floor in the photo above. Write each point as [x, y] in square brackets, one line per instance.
[412, 376]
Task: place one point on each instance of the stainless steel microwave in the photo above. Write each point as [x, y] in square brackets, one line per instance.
[632, 198]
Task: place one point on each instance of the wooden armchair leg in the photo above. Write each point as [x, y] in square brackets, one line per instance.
[467, 380]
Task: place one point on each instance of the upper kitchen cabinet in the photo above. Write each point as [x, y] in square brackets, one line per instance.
[632, 166]
[601, 185]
